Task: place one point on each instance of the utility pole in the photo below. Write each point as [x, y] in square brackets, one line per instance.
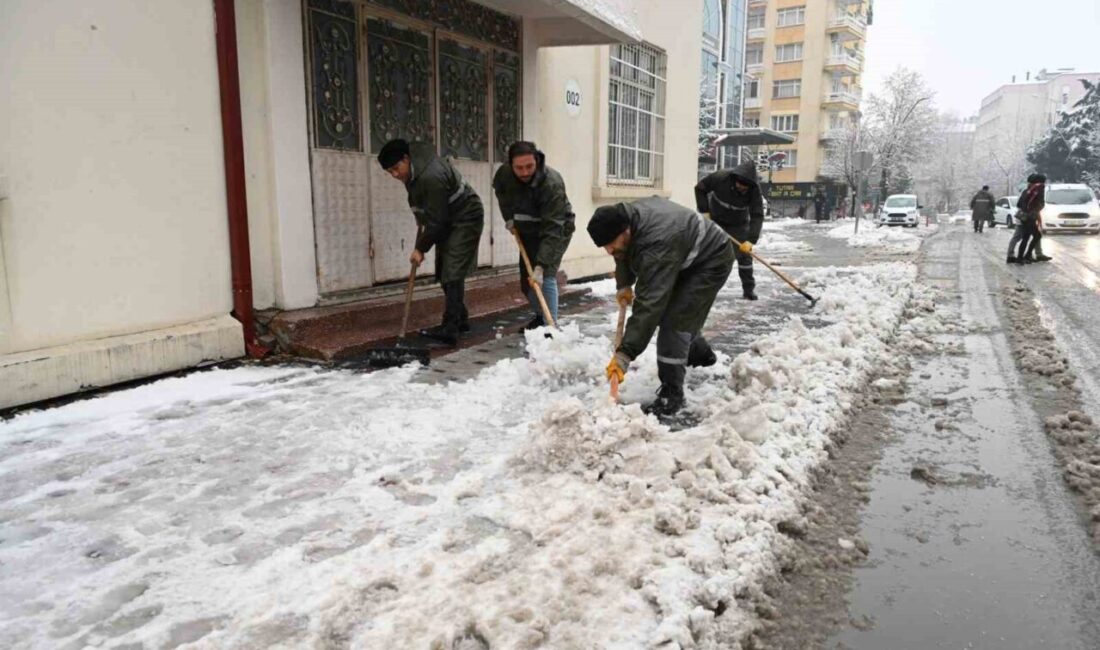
[864, 161]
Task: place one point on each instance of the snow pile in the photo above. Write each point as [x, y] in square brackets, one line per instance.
[571, 437]
[892, 240]
[305, 508]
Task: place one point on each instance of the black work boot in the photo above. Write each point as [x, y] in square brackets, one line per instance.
[670, 399]
[534, 323]
[750, 294]
[1011, 260]
[700, 354]
[447, 331]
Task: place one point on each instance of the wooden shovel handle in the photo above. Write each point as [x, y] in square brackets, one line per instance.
[408, 301]
[618, 341]
[534, 285]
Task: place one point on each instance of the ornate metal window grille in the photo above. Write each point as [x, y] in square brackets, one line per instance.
[463, 91]
[399, 65]
[463, 17]
[507, 118]
[335, 59]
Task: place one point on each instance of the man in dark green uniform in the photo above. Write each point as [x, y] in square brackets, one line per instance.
[450, 216]
[534, 204]
[983, 206]
[733, 200]
[676, 261]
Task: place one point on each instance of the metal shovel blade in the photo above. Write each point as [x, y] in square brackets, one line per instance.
[397, 355]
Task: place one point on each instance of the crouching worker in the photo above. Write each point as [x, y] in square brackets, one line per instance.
[670, 263]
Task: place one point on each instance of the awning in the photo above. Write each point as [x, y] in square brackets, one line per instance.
[751, 137]
[575, 22]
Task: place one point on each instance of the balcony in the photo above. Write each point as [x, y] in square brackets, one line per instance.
[754, 4]
[754, 69]
[842, 99]
[753, 103]
[848, 25]
[844, 61]
[757, 33]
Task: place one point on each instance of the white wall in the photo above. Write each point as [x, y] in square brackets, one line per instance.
[576, 146]
[111, 142]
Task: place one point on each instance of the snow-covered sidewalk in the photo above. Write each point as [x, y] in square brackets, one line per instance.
[291, 507]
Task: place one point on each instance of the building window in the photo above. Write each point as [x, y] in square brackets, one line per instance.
[788, 52]
[756, 20]
[785, 123]
[787, 88]
[752, 122]
[752, 89]
[791, 17]
[754, 56]
[636, 123]
[792, 158]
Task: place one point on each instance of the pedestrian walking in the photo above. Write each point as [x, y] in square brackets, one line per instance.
[819, 205]
[534, 205]
[1029, 206]
[450, 216]
[732, 199]
[670, 264]
[982, 207]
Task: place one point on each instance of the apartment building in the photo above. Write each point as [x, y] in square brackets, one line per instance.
[1017, 114]
[803, 61]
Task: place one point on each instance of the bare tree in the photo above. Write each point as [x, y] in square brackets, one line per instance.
[900, 122]
[842, 158]
[948, 176]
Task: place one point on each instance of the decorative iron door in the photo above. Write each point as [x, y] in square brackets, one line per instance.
[399, 89]
[464, 123]
[338, 163]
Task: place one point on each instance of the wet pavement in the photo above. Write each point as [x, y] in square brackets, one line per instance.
[975, 539]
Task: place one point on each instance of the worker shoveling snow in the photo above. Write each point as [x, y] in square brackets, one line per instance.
[300, 508]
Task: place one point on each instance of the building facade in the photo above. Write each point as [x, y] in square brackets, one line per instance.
[803, 64]
[1015, 115]
[116, 179]
[722, 77]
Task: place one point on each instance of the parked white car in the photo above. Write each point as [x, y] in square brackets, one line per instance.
[900, 210]
[1004, 213]
[1071, 207]
[962, 216]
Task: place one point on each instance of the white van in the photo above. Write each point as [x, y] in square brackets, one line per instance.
[900, 210]
[1071, 207]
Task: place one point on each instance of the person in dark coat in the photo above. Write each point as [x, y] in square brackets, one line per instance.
[534, 205]
[982, 207]
[670, 264]
[1028, 218]
[733, 200]
[819, 205]
[450, 217]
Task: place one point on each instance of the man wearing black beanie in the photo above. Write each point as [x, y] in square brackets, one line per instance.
[450, 216]
[670, 263]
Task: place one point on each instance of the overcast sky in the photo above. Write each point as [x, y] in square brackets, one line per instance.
[966, 49]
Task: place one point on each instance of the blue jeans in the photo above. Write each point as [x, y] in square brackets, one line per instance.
[550, 293]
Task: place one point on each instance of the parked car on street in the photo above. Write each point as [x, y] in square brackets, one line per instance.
[962, 216]
[1071, 207]
[1004, 213]
[900, 210]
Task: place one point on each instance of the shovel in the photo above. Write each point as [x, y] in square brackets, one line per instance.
[401, 353]
[782, 276]
[546, 317]
[618, 341]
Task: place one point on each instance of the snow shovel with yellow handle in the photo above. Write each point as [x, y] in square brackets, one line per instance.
[546, 317]
[782, 276]
[618, 341]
